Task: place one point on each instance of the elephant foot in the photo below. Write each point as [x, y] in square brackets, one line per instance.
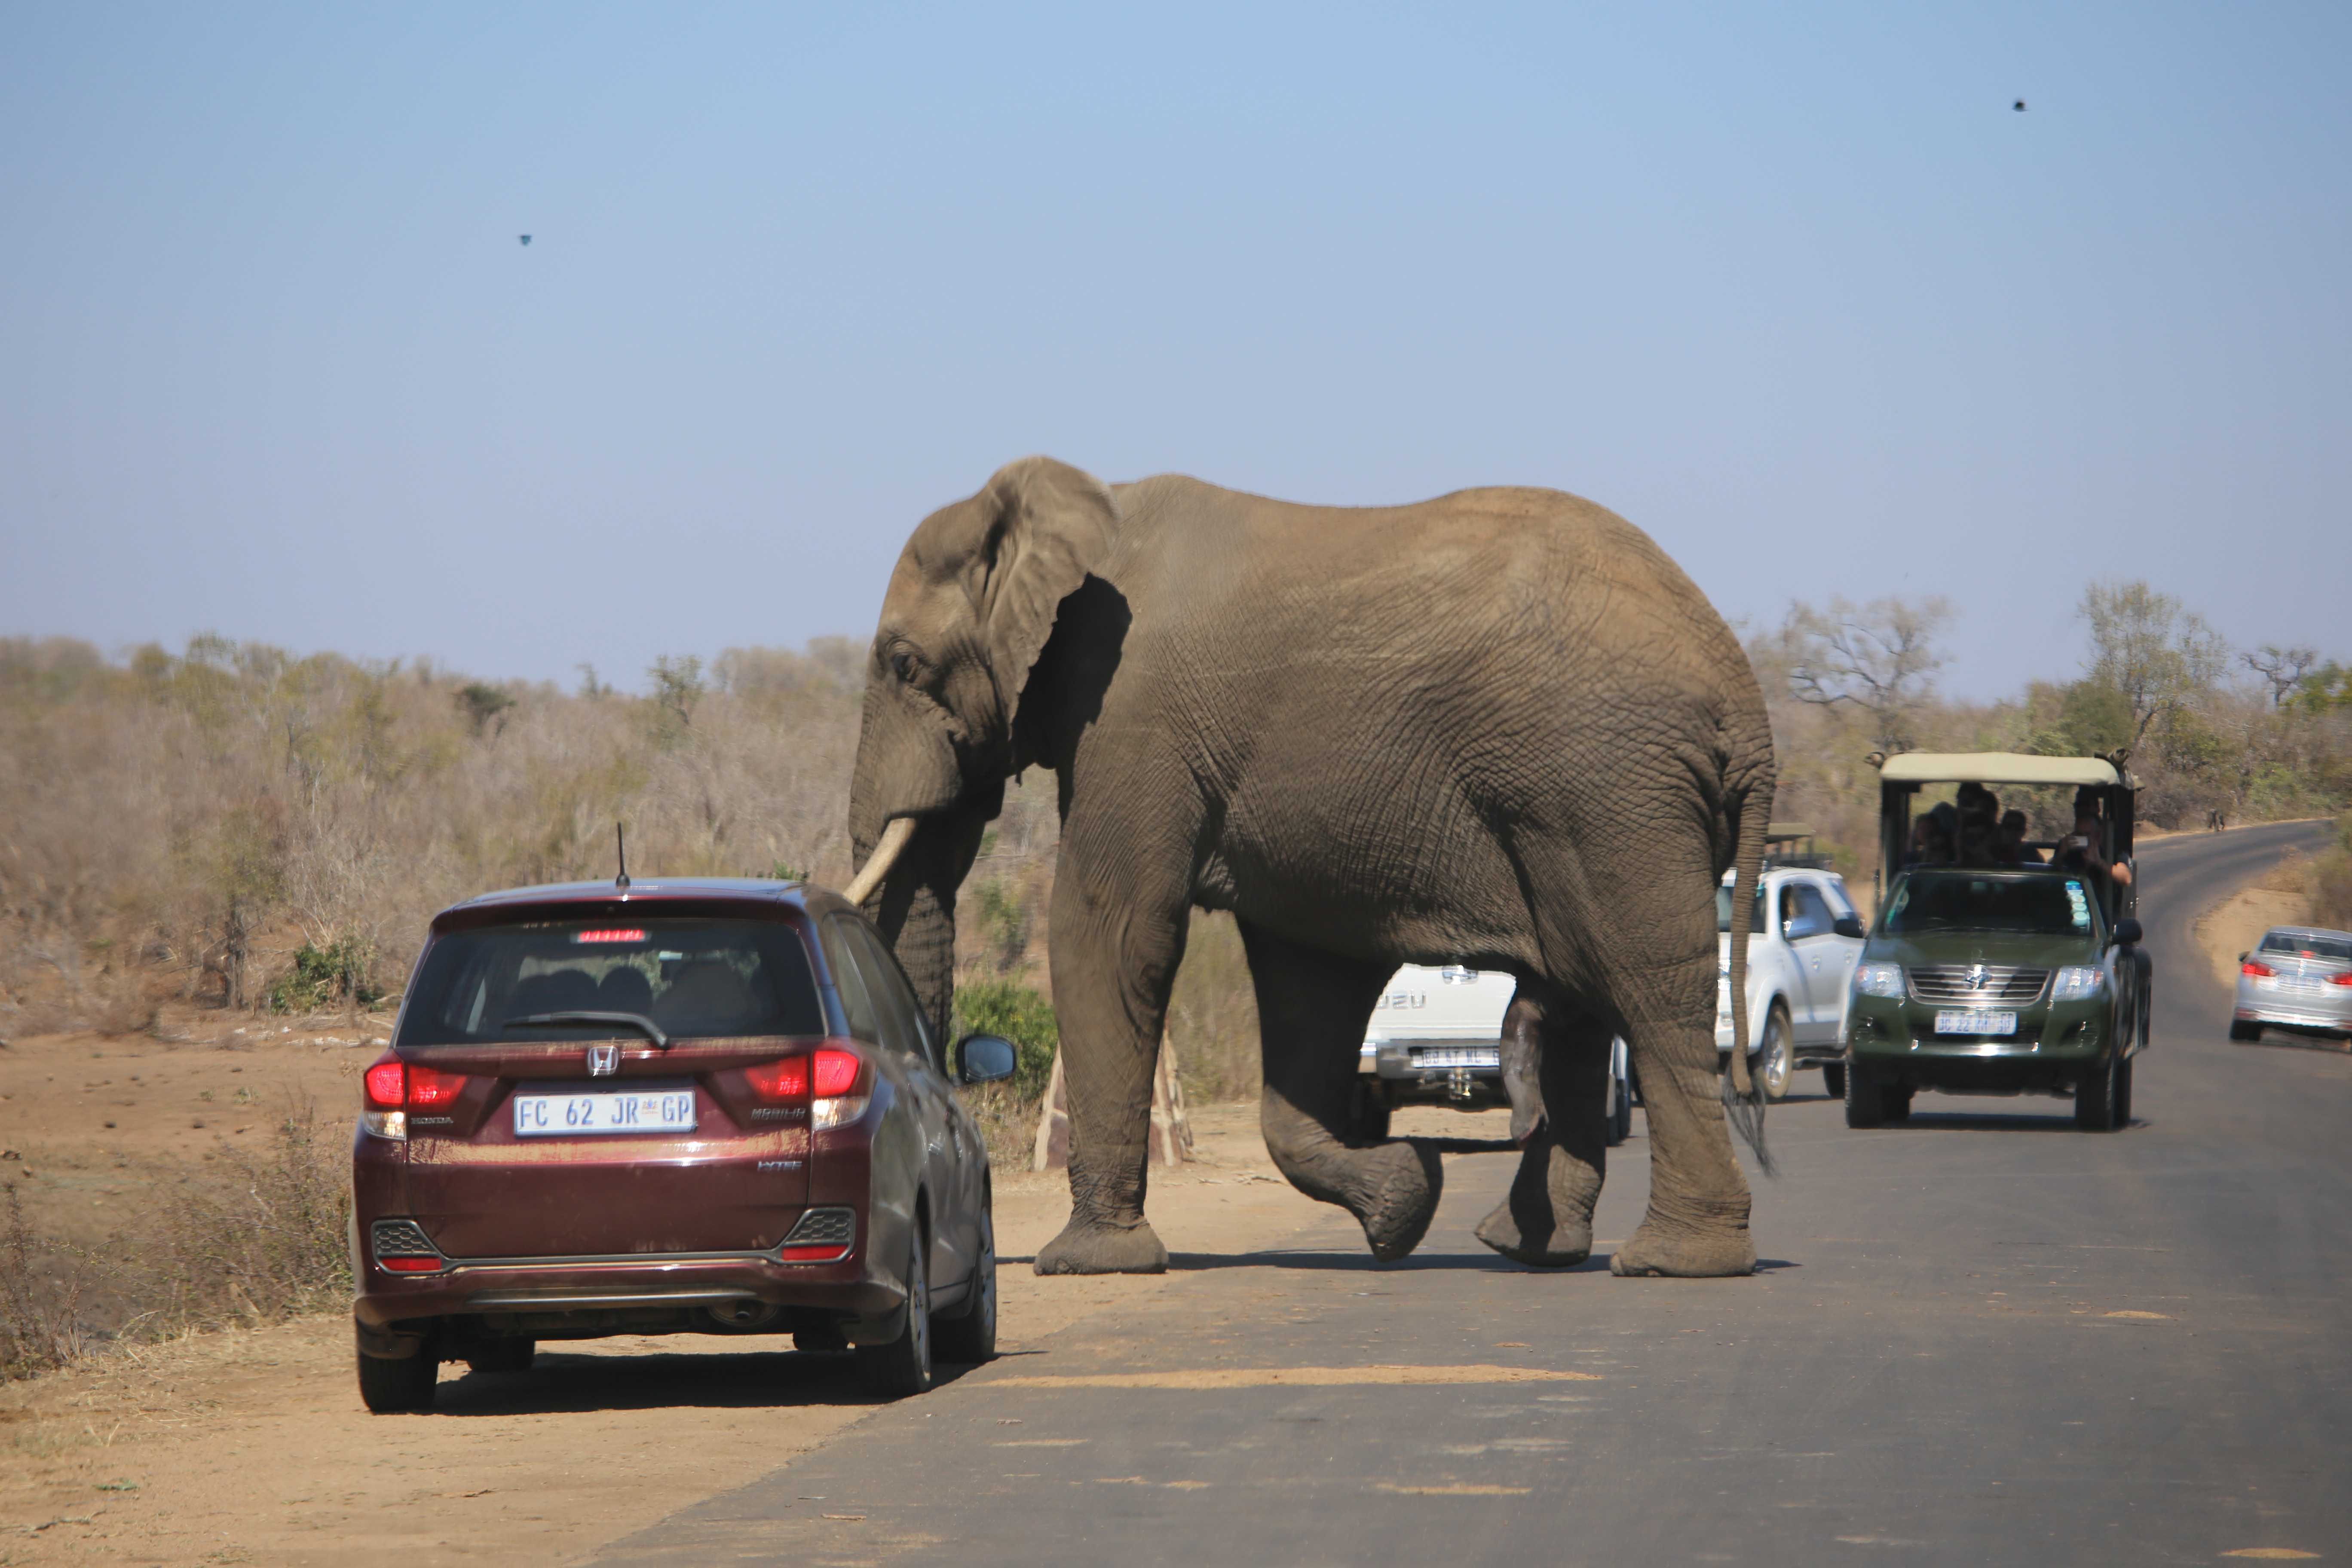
[1086, 1247]
[1547, 1219]
[1656, 1253]
[1400, 1184]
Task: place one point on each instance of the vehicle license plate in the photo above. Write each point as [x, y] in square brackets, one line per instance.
[1975, 1023]
[1459, 1057]
[570, 1114]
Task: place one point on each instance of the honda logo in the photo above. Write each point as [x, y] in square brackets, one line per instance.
[604, 1061]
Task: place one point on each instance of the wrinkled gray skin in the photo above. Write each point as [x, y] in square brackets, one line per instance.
[1499, 728]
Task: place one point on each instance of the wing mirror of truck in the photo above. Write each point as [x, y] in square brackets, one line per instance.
[985, 1058]
[1849, 925]
[2127, 931]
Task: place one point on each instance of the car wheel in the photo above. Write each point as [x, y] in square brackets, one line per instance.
[1369, 1105]
[398, 1388]
[1776, 1060]
[1833, 1079]
[2245, 1032]
[1896, 1098]
[1621, 1109]
[1865, 1102]
[903, 1367]
[503, 1355]
[2123, 1093]
[968, 1338]
[2094, 1099]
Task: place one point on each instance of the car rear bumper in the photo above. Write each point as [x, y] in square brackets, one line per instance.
[585, 1297]
[1405, 1068]
[2295, 1018]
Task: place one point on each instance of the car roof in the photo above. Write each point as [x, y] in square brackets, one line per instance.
[758, 897]
[1996, 767]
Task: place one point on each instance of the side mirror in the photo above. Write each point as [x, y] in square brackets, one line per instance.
[985, 1058]
[2127, 931]
[1850, 925]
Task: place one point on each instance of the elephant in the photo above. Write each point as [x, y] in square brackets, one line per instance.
[1500, 728]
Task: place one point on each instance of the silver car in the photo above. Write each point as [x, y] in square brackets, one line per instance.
[2297, 977]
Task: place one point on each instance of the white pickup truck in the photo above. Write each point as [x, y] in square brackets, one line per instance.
[1435, 1038]
[1800, 968]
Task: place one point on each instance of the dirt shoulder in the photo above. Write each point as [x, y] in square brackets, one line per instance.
[252, 1447]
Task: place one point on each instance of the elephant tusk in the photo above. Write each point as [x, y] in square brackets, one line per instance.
[878, 865]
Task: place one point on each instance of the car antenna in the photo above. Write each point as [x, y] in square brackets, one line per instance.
[621, 850]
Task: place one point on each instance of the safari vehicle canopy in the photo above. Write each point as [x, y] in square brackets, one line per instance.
[1901, 776]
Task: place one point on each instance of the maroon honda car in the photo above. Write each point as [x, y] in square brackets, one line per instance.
[672, 1106]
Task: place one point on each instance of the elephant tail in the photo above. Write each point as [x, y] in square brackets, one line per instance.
[1743, 1096]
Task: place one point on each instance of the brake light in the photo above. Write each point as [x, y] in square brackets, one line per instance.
[836, 1073]
[387, 1086]
[786, 1080]
[608, 936]
[2258, 971]
[429, 1087]
[2343, 977]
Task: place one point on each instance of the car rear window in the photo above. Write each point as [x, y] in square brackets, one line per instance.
[1971, 900]
[691, 977]
[2306, 944]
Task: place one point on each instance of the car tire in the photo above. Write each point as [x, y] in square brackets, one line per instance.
[2124, 1093]
[1776, 1059]
[1865, 1102]
[902, 1368]
[1897, 1099]
[1369, 1105]
[399, 1387]
[2094, 1099]
[1621, 1109]
[503, 1355]
[2247, 1033]
[1833, 1079]
[968, 1338]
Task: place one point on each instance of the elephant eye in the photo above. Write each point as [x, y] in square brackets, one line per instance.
[905, 666]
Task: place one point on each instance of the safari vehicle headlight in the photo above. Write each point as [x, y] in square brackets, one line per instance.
[2075, 982]
[1878, 980]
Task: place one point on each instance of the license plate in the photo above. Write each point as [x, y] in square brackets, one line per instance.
[1459, 1057]
[1975, 1023]
[573, 1113]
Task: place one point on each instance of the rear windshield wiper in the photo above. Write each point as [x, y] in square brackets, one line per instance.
[636, 1021]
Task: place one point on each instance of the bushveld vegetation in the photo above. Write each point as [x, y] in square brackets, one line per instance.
[236, 828]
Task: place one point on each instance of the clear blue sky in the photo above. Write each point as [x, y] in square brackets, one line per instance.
[1793, 288]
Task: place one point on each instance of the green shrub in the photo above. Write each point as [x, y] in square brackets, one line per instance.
[323, 976]
[1019, 1014]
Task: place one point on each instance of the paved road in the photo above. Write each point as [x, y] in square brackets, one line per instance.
[1983, 1337]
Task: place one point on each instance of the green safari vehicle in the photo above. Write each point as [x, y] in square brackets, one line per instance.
[2001, 978]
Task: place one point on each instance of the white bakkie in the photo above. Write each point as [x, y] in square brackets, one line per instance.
[1435, 1036]
[1806, 937]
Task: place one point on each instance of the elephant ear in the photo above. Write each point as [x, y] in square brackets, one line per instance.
[1047, 524]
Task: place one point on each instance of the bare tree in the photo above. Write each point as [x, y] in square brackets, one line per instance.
[2282, 668]
[1878, 659]
[2160, 655]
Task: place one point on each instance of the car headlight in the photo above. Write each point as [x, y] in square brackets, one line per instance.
[1878, 980]
[2075, 982]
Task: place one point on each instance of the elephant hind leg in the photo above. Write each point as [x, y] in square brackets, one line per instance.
[1698, 1224]
[1547, 1218]
[1312, 1010]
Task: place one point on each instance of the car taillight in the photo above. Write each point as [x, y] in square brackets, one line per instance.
[836, 1074]
[430, 1087]
[2258, 971]
[786, 1080]
[387, 1086]
[2344, 978]
[411, 1264]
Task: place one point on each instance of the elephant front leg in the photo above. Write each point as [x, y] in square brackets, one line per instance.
[1311, 1011]
[1112, 968]
[1547, 1219]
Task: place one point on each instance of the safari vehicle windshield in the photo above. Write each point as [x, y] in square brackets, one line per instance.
[2027, 905]
[689, 977]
